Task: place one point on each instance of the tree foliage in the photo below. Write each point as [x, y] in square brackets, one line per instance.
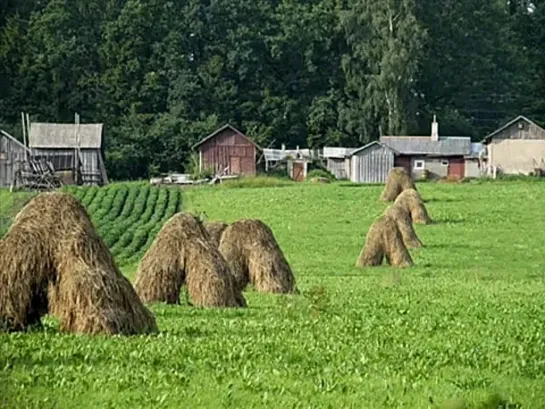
[161, 74]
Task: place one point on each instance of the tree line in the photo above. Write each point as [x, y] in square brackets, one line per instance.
[162, 74]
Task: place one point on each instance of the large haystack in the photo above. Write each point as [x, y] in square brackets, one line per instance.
[255, 257]
[384, 241]
[52, 260]
[183, 253]
[402, 219]
[215, 230]
[398, 181]
[411, 200]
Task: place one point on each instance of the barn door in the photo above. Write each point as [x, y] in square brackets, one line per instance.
[234, 165]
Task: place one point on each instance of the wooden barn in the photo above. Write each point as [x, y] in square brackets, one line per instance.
[12, 157]
[518, 147]
[75, 150]
[371, 163]
[227, 151]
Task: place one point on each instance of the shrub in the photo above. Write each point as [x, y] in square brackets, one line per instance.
[321, 173]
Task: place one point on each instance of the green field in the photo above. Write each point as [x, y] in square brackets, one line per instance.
[466, 322]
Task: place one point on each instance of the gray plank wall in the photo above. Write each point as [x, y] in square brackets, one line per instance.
[372, 165]
[11, 156]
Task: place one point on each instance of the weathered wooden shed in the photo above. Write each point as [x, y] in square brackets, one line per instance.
[228, 151]
[75, 150]
[518, 147]
[371, 163]
[12, 156]
[337, 161]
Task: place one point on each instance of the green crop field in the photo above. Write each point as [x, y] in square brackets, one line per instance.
[466, 324]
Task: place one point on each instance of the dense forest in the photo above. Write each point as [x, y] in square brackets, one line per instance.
[162, 74]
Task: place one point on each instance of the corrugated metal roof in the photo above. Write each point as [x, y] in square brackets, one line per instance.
[423, 145]
[337, 152]
[44, 135]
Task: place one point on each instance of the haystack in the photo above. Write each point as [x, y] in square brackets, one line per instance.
[384, 241]
[183, 254]
[53, 261]
[411, 200]
[215, 230]
[402, 219]
[398, 181]
[255, 257]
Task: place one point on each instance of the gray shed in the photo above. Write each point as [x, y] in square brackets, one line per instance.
[371, 163]
[12, 156]
[76, 151]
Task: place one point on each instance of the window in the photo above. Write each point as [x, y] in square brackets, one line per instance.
[3, 156]
[444, 162]
[419, 164]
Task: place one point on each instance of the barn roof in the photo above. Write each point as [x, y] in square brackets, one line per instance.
[12, 139]
[372, 144]
[507, 125]
[424, 145]
[223, 128]
[63, 136]
[337, 152]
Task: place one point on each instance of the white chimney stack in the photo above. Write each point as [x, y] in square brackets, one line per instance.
[434, 130]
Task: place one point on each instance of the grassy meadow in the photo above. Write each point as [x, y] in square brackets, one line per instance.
[464, 328]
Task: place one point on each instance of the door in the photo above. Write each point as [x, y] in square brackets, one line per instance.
[298, 171]
[234, 165]
[456, 167]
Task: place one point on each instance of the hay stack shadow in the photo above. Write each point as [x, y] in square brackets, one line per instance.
[384, 241]
[255, 257]
[53, 261]
[183, 254]
[411, 201]
[398, 181]
[215, 231]
[402, 219]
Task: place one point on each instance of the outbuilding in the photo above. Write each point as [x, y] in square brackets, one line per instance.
[227, 151]
[518, 147]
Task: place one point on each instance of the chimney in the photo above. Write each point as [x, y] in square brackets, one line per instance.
[434, 130]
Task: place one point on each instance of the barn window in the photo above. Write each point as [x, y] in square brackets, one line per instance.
[444, 162]
[419, 164]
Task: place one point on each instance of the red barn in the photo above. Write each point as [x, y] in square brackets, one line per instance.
[228, 151]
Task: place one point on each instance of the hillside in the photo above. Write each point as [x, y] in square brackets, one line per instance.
[467, 321]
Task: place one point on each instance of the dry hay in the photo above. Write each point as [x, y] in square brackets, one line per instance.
[255, 257]
[398, 181]
[183, 254]
[411, 200]
[402, 219]
[215, 230]
[384, 241]
[53, 261]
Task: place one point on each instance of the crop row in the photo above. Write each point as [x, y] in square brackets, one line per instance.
[174, 206]
[143, 212]
[114, 194]
[111, 224]
[141, 231]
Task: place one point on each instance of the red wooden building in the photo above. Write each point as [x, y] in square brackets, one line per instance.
[228, 151]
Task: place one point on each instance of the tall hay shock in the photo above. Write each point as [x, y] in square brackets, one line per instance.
[402, 219]
[183, 253]
[215, 231]
[53, 261]
[384, 241]
[398, 181]
[411, 200]
[255, 257]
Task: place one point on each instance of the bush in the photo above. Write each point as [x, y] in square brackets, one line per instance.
[321, 173]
